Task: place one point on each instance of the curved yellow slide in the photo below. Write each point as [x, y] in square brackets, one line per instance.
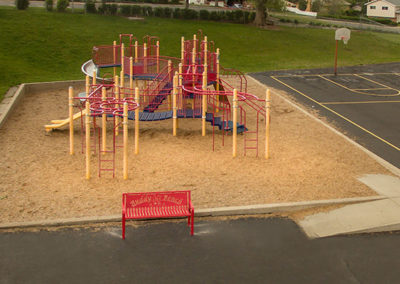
[59, 123]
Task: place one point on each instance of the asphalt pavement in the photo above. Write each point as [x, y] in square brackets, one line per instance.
[254, 250]
[362, 101]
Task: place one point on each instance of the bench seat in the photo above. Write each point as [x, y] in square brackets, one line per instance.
[150, 205]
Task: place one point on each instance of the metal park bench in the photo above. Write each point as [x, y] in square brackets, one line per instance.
[151, 205]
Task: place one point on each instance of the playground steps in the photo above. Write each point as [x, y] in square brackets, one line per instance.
[158, 100]
[188, 113]
[151, 116]
[227, 125]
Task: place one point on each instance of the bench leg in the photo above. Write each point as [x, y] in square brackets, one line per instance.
[123, 227]
[192, 224]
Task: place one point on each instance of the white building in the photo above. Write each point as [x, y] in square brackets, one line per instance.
[389, 9]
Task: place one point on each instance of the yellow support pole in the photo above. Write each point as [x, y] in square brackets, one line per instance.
[183, 50]
[104, 123]
[122, 58]
[87, 140]
[125, 122]
[195, 43]
[131, 73]
[71, 119]
[145, 59]
[193, 69]
[87, 85]
[115, 56]
[117, 98]
[94, 77]
[174, 114]
[137, 122]
[205, 50]
[170, 75]
[180, 82]
[136, 51]
[158, 55]
[267, 122]
[204, 101]
[121, 85]
[234, 134]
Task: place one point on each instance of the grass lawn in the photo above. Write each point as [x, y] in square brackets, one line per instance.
[41, 46]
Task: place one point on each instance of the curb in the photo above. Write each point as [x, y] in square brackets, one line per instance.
[393, 169]
[219, 211]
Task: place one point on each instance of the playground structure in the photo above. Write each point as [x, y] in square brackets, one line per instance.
[144, 86]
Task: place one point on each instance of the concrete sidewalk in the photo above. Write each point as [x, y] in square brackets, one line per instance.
[374, 216]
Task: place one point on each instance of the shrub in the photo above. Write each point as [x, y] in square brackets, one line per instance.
[62, 5]
[204, 15]
[22, 4]
[108, 9]
[176, 14]
[174, 1]
[90, 6]
[125, 10]
[252, 17]
[136, 10]
[159, 12]
[238, 16]
[214, 16]
[147, 11]
[167, 12]
[49, 5]
[222, 16]
[189, 14]
[246, 17]
[229, 16]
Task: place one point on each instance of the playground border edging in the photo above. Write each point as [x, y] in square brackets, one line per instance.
[26, 88]
[393, 169]
[218, 211]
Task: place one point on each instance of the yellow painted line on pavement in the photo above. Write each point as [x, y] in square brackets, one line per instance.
[364, 102]
[380, 84]
[359, 92]
[338, 114]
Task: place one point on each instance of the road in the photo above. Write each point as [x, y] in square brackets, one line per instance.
[237, 251]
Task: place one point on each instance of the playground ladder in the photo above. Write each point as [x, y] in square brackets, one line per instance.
[104, 156]
[251, 139]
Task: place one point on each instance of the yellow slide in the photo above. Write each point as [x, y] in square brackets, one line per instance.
[59, 123]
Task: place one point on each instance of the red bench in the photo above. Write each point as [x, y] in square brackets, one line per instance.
[147, 205]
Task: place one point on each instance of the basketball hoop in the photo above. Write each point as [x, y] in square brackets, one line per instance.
[340, 34]
[343, 34]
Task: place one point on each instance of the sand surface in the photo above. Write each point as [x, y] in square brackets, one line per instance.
[39, 180]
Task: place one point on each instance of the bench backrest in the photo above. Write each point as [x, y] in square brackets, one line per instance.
[156, 199]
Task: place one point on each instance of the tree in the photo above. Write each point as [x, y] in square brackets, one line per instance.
[316, 5]
[262, 7]
[22, 4]
[334, 7]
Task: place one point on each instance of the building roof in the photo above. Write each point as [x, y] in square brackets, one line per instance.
[394, 2]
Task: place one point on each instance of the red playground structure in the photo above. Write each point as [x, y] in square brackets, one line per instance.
[132, 81]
